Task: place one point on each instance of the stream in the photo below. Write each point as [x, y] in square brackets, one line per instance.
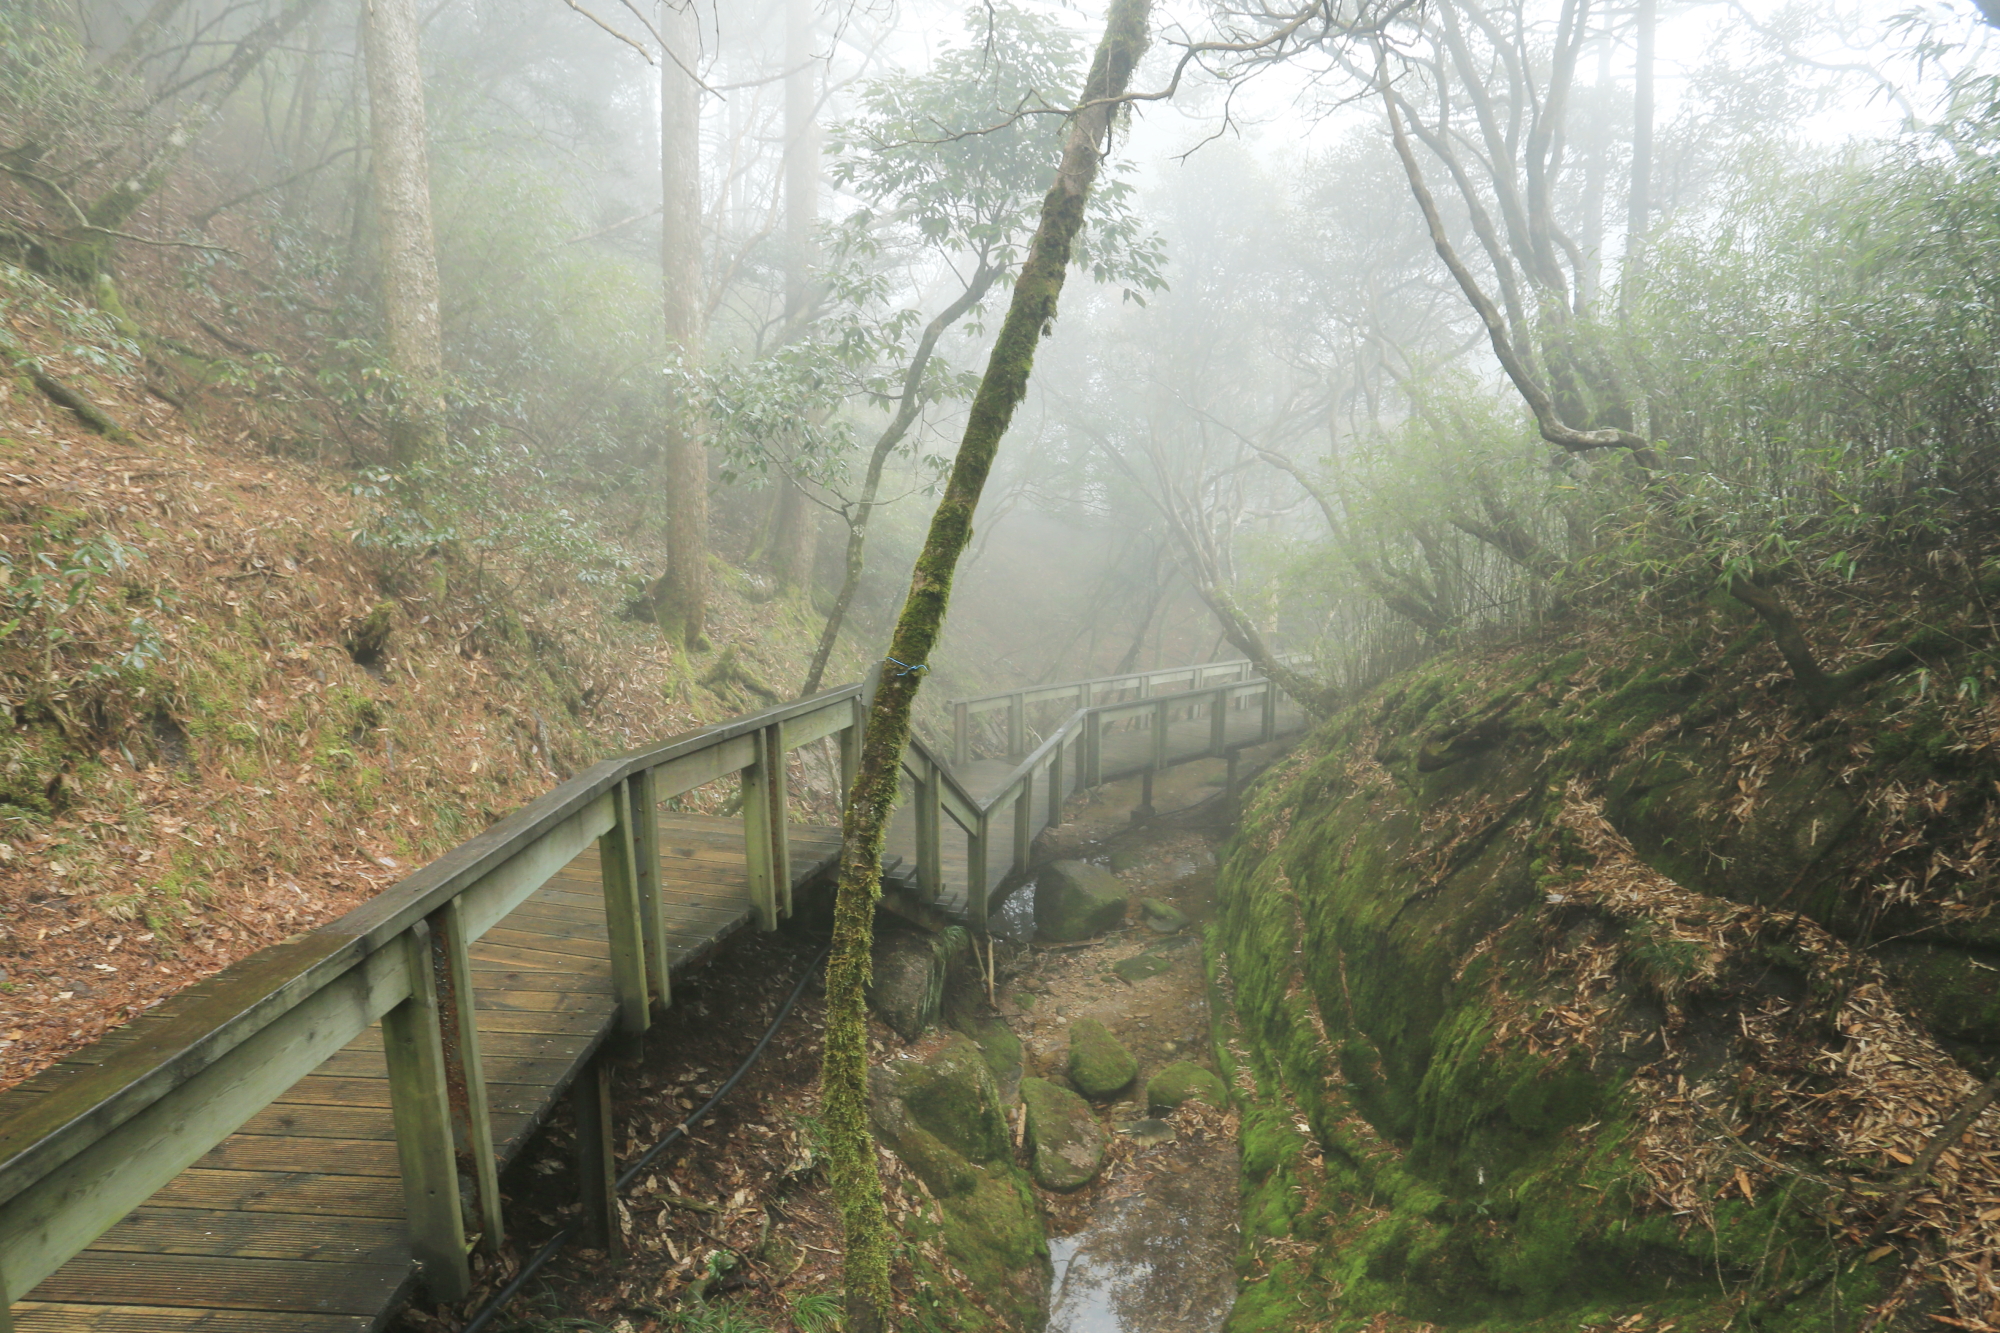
[1150, 1246]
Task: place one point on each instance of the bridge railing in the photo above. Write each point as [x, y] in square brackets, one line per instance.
[1017, 724]
[1029, 797]
[144, 1104]
[134, 1111]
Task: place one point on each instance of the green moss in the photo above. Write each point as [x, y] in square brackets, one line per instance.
[1099, 1064]
[1437, 1168]
[1181, 1081]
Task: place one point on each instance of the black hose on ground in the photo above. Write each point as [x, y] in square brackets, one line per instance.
[564, 1236]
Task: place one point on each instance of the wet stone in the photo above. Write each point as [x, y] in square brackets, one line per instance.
[1075, 900]
[1162, 917]
[1141, 966]
[1148, 1133]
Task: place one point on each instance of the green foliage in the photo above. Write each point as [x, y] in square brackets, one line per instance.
[816, 1312]
[960, 154]
[80, 608]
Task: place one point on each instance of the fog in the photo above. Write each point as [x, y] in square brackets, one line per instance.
[1272, 415]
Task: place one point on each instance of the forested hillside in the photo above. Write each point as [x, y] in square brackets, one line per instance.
[1586, 412]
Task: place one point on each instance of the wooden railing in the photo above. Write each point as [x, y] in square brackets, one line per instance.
[1081, 694]
[76, 1159]
[168, 1088]
[1029, 797]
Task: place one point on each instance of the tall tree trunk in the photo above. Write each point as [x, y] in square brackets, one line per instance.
[795, 538]
[406, 246]
[844, 1076]
[680, 597]
[907, 407]
[1639, 199]
[801, 159]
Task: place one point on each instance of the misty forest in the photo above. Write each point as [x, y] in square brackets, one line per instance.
[999, 665]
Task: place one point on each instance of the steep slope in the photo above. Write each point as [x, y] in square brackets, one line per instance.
[1589, 983]
[240, 701]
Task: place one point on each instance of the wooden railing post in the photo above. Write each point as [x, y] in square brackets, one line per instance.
[775, 773]
[464, 1069]
[1084, 694]
[1092, 756]
[646, 862]
[596, 1161]
[850, 750]
[1056, 784]
[975, 873]
[757, 839]
[1270, 712]
[1159, 736]
[1024, 823]
[420, 1103]
[1218, 719]
[1017, 726]
[623, 919]
[961, 734]
[930, 832]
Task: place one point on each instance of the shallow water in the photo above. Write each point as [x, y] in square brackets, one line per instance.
[1159, 1261]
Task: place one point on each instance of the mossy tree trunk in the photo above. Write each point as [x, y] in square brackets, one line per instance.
[844, 1076]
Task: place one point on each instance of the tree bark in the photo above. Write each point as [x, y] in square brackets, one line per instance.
[844, 1076]
[801, 160]
[680, 597]
[1639, 199]
[408, 280]
[794, 537]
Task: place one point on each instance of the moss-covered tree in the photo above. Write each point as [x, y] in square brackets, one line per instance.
[844, 1077]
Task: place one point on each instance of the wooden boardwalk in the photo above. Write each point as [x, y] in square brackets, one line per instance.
[297, 1142]
[296, 1220]
[1125, 749]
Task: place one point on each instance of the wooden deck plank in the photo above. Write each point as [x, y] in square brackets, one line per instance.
[313, 1180]
[258, 1236]
[44, 1317]
[276, 1286]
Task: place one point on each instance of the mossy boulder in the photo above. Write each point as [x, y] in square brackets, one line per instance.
[1156, 914]
[1063, 1134]
[1099, 1064]
[1075, 900]
[910, 970]
[943, 1118]
[1001, 1050]
[1181, 1081]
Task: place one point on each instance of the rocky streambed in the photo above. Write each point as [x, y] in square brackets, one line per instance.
[1069, 1119]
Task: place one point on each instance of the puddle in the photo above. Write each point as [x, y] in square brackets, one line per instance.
[1158, 1261]
[1014, 918]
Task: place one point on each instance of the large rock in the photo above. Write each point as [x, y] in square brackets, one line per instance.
[1181, 1081]
[1075, 900]
[1063, 1133]
[910, 970]
[943, 1118]
[1099, 1064]
[1002, 1049]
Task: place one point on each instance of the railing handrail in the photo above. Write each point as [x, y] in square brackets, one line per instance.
[1080, 718]
[84, 1152]
[980, 703]
[256, 990]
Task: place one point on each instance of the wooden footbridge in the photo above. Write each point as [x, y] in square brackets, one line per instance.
[298, 1142]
